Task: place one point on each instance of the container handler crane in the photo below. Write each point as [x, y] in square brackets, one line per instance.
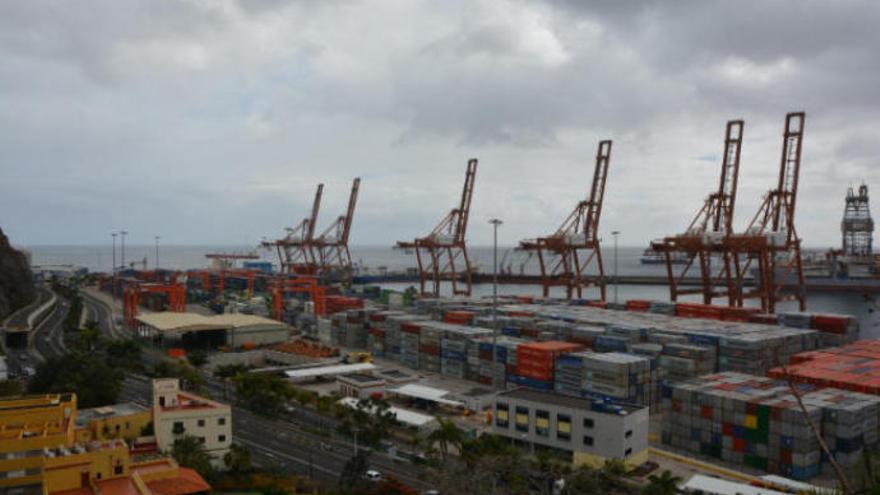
[439, 253]
[701, 243]
[566, 256]
[331, 247]
[770, 244]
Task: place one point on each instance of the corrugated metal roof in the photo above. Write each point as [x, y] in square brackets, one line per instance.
[194, 322]
[337, 369]
[423, 392]
[716, 486]
[405, 416]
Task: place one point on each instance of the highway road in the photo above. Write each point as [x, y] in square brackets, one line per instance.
[99, 311]
[49, 334]
[275, 442]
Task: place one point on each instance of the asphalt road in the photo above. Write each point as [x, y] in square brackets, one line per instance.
[49, 334]
[279, 443]
[100, 312]
[20, 317]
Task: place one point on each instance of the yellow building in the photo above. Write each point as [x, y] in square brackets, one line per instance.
[126, 421]
[40, 454]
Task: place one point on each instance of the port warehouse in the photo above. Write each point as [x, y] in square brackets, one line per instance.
[230, 329]
[634, 354]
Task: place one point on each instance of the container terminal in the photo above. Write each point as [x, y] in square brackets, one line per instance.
[742, 392]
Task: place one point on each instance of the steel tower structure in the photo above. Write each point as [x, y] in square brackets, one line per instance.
[566, 256]
[701, 242]
[857, 226]
[439, 254]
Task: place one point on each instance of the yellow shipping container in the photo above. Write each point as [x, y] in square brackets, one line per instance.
[751, 421]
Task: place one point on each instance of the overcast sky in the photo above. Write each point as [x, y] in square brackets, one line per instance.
[212, 121]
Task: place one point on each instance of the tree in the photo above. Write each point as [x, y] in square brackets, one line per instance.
[370, 419]
[352, 476]
[124, 353]
[189, 451]
[263, 393]
[445, 435]
[93, 380]
[665, 484]
[238, 460]
[197, 358]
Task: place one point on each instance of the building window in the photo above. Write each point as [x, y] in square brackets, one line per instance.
[178, 428]
[628, 434]
[563, 427]
[221, 421]
[588, 423]
[201, 423]
[117, 469]
[542, 423]
[588, 440]
[502, 416]
[201, 439]
[522, 418]
[628, 452]
[221, 438]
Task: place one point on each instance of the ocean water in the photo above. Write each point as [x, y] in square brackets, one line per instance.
[368, 259]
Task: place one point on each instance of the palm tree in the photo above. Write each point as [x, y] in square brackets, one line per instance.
[446, 434]
[665, 484]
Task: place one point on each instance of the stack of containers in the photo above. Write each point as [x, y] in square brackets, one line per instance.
[410, 333]
[685, 361]
[429, 345]
[536, 362]
[394, 336]
[585, 334]
[610, 375]
[835, 329]
[455, 348]
[854, 367]
[756, 421]
[849, 424]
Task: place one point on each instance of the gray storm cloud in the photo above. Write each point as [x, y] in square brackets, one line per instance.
[211, 122]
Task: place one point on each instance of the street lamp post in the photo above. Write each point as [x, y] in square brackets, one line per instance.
[113, 271]
[495, 224]
[616, 280]
[123, 233]
[157, 252]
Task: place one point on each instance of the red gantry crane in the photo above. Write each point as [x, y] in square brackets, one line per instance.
[565, 257]
[701, 243]
[296, 255]
[439, 253]
[333, 255]
[770, 244]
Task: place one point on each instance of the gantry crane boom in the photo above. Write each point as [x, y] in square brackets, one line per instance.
[446, 245]
[698, 245]
[770, 242]
[295, 251]
[565, 256]
[334, 256]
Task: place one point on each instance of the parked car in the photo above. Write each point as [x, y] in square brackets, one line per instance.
[373, 475]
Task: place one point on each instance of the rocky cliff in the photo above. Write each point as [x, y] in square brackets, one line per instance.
[16, 282]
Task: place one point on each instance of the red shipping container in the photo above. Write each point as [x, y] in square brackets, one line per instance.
[638, 305]
[597, 304]
[831, 323]
[430, 349]
[727, 429]
[378, 332]
[706, 412]
[410, 328]
[784, 455]
[739, 444]
[377, 317]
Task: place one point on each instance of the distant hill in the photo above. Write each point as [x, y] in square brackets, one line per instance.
[16, 282]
